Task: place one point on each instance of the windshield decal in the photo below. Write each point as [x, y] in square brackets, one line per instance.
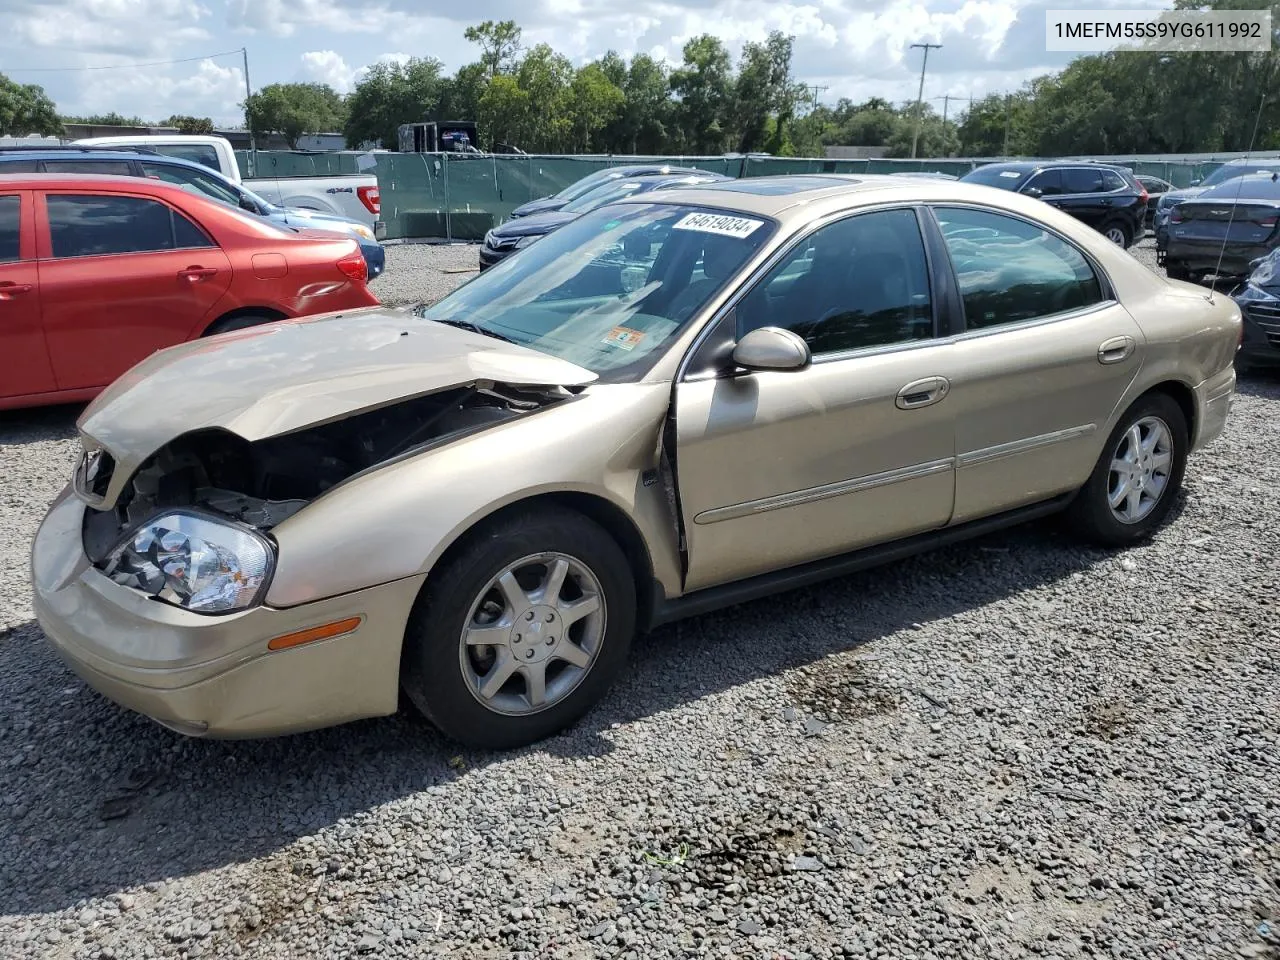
[1010, 173]
[624, 338]
[725, 226]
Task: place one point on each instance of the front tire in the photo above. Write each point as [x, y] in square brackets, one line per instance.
[522, 631]
[1137, 478]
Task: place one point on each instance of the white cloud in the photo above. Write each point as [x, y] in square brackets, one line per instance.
[327, 66]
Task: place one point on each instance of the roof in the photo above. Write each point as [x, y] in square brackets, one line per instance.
[95, 181]
[812, 195]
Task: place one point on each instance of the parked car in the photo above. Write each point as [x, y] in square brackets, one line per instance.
[1106, 197]
[1224, 229]
[99, 272]
[1259, 300]
[1156, 188]
[481, 500]
[588, 183]
[1240, 167]
[926, 176]
[350, 195]
[514, 235]
[195, 176]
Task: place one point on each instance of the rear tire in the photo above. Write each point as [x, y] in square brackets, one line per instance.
[1141, 466]
[238, 323]
[489, 614]
[1119, 233]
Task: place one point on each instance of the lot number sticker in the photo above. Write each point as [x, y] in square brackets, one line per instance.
[717, 223]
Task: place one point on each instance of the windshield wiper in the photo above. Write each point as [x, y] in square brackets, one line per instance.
[475, 328]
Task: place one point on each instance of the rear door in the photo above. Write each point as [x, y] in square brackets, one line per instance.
[24, 359]
[122, 276]
[1081, 194]
[1045, 358]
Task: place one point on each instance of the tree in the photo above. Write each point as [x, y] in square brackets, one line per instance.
[545, 77]
[390, 94]
[499, 44]
[26, 110]
[765, 92]
[190, 125]
[111, 119]
[504, 110]
[704, 86]
[593, 102]
[294, 110]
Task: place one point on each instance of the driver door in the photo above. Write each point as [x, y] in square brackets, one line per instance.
[779, 468]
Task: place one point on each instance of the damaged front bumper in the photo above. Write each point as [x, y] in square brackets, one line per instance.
[216, 676]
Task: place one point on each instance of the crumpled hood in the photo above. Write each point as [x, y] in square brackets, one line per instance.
[281, 377]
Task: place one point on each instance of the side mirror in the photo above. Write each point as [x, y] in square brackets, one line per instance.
[1034, 192]
[771, 348]
[1195, 183]
[247, 204]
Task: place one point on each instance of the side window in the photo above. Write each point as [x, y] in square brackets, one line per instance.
[1113, 181]
[19, 166]
[111, 168]
[1011, 271]
[10, 229]
[1048, 182]
[1081, 180]
[94, 226]
[860, 282]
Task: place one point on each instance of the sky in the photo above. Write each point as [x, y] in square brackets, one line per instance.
[852, 48]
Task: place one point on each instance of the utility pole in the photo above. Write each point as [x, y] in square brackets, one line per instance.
[946, 102]
[253, 143]
[1007, 99]
[816, 90]
[915, 137]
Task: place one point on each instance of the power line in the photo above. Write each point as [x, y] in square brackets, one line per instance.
[122, 66]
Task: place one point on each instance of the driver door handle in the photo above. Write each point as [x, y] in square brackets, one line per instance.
[9, 289]
[197, 273]
[923, 393]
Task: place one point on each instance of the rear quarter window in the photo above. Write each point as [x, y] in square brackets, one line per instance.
[1113, 181]
[195, 152]
[18, 166]
[113, 168]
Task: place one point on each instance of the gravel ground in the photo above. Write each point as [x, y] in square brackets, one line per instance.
[1014, 748]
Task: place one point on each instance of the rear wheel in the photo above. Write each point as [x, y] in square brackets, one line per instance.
[522, 631]
[1118, 232]
[238, 323]
[1136, 479]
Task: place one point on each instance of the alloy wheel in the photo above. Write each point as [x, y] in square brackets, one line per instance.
[1141, 465]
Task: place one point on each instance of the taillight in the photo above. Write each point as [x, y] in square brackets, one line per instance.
[1267, 222]
[371, 198]
[1143, 191]
[354, 268]
[1175, 215]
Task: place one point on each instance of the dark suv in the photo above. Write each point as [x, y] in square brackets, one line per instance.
[1106, 197]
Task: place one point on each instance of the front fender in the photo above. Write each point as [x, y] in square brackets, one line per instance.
[397, 521]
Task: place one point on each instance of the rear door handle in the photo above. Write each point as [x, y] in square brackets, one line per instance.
[198, 273]
[1116, 350]
[9, 289]
[923, 393]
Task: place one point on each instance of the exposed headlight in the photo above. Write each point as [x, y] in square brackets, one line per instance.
[194, 562]
[361, 230]
[526, 241]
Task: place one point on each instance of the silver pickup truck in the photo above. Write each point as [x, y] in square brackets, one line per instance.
[353, 195]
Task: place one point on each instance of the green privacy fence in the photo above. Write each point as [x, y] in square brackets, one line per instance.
[460, 196]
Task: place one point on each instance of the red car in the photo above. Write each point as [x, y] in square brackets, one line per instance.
[98, 272]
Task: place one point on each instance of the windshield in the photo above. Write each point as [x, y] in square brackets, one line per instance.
[1229, 171]
[996, 176]
[612, 289]
[605, 193]
[1245, 188]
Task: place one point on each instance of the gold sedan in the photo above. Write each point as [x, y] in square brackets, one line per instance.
[674, 403]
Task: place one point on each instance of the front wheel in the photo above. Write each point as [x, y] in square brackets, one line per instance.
[1136, 479]
[522, 631]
